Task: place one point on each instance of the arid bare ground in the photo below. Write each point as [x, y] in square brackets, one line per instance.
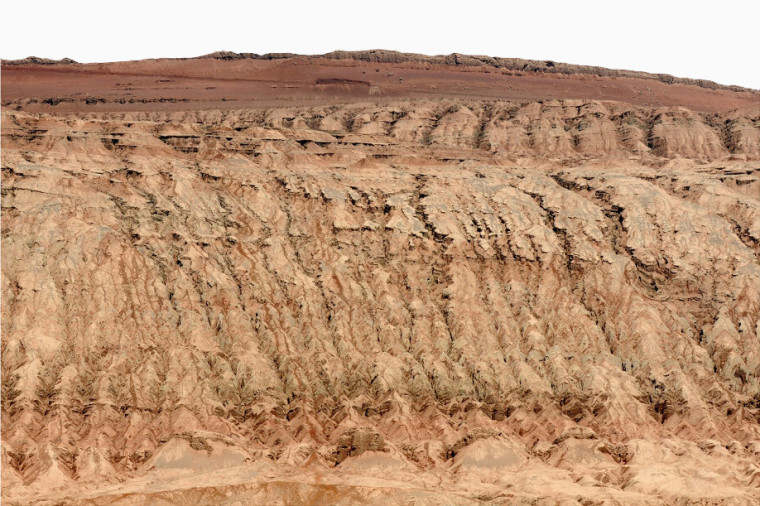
[232, 81]
[379, 300]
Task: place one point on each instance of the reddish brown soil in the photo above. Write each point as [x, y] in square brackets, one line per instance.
[232, 84]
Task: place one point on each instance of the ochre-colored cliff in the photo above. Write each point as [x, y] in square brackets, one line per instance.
[451, 301]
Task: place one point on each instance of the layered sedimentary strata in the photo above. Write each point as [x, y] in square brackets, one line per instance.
[241, 81]
[454, 301]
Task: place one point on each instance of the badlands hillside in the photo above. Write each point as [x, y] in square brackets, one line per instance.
[378, 278]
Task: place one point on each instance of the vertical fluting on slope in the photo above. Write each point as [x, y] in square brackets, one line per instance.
[278, 304]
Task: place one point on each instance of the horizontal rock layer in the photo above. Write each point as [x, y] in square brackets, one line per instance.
[243, 81]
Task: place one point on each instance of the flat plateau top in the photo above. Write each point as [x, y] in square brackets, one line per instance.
[233, 81]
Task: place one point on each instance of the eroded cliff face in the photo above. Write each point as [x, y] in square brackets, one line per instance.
[455, 301]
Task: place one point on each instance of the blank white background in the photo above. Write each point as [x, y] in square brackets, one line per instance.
[711, 40]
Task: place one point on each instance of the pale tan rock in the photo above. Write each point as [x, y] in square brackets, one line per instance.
[455, 301]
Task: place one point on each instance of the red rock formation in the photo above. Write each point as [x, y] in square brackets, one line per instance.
[455, 301]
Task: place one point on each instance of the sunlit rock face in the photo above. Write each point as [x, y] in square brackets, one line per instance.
[454, 301]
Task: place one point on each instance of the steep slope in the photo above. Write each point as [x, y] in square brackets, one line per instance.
[453, 301]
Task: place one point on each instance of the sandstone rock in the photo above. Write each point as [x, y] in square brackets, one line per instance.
[454, 300]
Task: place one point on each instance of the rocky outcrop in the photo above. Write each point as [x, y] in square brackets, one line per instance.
[232, 81]
[457, 297]
[36, 60]
[454, 59]
[457, 59]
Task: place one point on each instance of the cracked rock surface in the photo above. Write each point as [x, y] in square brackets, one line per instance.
[455, 301]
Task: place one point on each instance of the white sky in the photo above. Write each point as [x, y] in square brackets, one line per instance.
[716, 40]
